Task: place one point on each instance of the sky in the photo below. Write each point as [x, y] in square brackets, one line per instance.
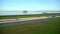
[12, 5]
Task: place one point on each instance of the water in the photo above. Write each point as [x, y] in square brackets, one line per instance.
[17, 12]
[21, 12]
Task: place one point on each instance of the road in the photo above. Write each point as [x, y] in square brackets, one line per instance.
[26, 22]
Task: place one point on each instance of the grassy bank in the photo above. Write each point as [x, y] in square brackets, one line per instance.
[49, 27]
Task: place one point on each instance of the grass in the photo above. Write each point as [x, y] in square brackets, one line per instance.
[49, 27]
[25, 16]
[21, 16]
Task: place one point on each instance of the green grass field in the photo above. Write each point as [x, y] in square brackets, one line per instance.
[49, 27]
[21, 16]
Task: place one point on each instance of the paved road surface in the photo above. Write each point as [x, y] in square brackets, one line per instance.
[26, 22]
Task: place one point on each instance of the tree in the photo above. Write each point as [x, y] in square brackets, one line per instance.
[25, 12]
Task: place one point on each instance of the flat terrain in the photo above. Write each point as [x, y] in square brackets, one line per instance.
[22, 16]
[14, 18]
[33, 18]
[21, 19]
[49, 27]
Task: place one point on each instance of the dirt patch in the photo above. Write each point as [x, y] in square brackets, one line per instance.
[21, 19]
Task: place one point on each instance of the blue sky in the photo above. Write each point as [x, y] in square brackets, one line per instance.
[29, 5]
[12, 5]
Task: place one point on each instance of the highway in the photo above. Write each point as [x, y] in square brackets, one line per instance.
[26, 22]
